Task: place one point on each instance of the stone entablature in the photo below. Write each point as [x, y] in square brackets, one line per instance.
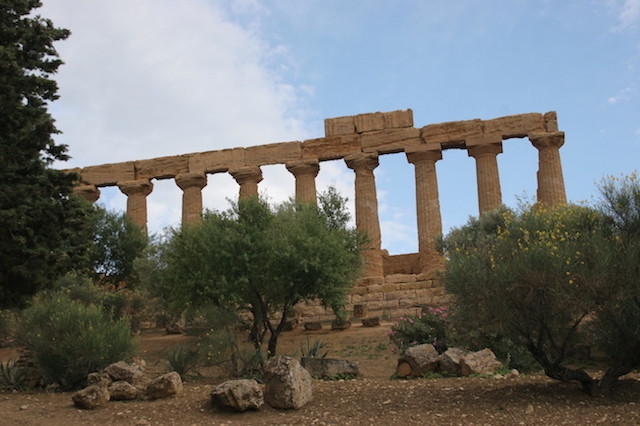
[359, 140]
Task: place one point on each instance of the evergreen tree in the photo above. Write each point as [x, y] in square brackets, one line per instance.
[45, 230]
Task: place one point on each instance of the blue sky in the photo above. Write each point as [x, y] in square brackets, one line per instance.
[149, 78]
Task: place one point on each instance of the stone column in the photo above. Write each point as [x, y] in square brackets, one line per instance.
[424, 158]
[551, 191]
[89, 192]
[305, 173]
[485, 152]
[191, 185]
[136, 192]
[248, 178]
[367, 210]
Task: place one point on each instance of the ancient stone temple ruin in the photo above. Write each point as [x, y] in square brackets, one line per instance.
[390, 285]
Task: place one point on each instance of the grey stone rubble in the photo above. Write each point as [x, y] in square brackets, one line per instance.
[287, 383]
[421, 359]
[238, 395]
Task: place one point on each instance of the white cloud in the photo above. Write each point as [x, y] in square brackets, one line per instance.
[153, 78]
[630, 13]
[623, 95]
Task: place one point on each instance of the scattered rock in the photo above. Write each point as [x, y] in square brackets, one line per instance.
[91, 397]
[238, 395]
[421, 358]
[480, 362]
[175, 328]
[123, 391]
[290, 324]
[329, 367]
[339, 324]
[371, 322]
[360, 311]
[450, 361]
[312, 326]
[288, 384]
[163, 386]
[102, 379]
[122, 371]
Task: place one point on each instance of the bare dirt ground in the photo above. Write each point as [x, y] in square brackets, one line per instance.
[373, 398]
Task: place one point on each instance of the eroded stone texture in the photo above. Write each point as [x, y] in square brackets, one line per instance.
[248, 178]
[424, 159]
[420, 358]
[367, 210]
[191, 185]
[163, 386]
[89, 192]
[480, 362]
[136, 192]
[287, 383]
[485, 152]
[305, 173]
[551, 189]
[329, 367]
[238, 395]
[123, 391]
[92, 396]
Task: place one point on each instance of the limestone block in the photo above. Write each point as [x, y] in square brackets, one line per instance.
[122, 371]
[166, 385]
[551, 121]
[162, 168]
[453, 132]
[339, 126]
[371, 322]
[216, 161]
[402, 294]
[329, 367]
[421, 358]
[274, 153]
[450, 361]
[371, 281]
[377, 288]
[398, 119]
[389, 141]
[374, 297]
[358, 290]
[238, 395]
[480, 362]
[400, 278]
[417, 285]
[91, 397]
[515, 126]
[360, 311]
[109, 174]
[287, 383]
[369, 122]
[123, 391]
[331, 148]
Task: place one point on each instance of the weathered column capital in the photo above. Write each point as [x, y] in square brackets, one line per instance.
[90, 193]
[191, 180]
[247, 175]
[428, 152]
[362, 161]
[478, 151]
[547, 140]
[248, 178]
[304, 167]
[136, 187]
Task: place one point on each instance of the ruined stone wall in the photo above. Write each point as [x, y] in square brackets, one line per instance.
[390, 285]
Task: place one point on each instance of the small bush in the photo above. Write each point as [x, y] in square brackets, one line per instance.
[8, 327]
[184, 360]
[12, 376]
[427, 327]
[313, 350]
[69, 339]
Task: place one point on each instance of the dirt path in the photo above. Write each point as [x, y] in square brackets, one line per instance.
[372, 399]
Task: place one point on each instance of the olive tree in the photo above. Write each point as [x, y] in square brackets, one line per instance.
[265, 259]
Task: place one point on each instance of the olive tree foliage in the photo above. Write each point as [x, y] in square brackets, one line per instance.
[118, 242]
[263, 258]
[536, 275]
[45, 229]
[617, 322]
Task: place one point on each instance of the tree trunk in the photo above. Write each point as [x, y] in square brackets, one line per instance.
[275, 333]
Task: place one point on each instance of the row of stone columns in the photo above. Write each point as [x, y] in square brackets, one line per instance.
[424, 157]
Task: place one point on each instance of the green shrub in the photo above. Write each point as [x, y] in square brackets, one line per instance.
[12, 376]
[313, 350]
[184, 360]
[8, 324]
[427, 327]
[69, 339]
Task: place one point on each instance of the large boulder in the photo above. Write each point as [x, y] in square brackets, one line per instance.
[450, 361]
[329, 367]
[417, 360]
[288, 384]
[238, 395]
[132, 373]
[166, 385]
[91, 397]
[480, 362]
